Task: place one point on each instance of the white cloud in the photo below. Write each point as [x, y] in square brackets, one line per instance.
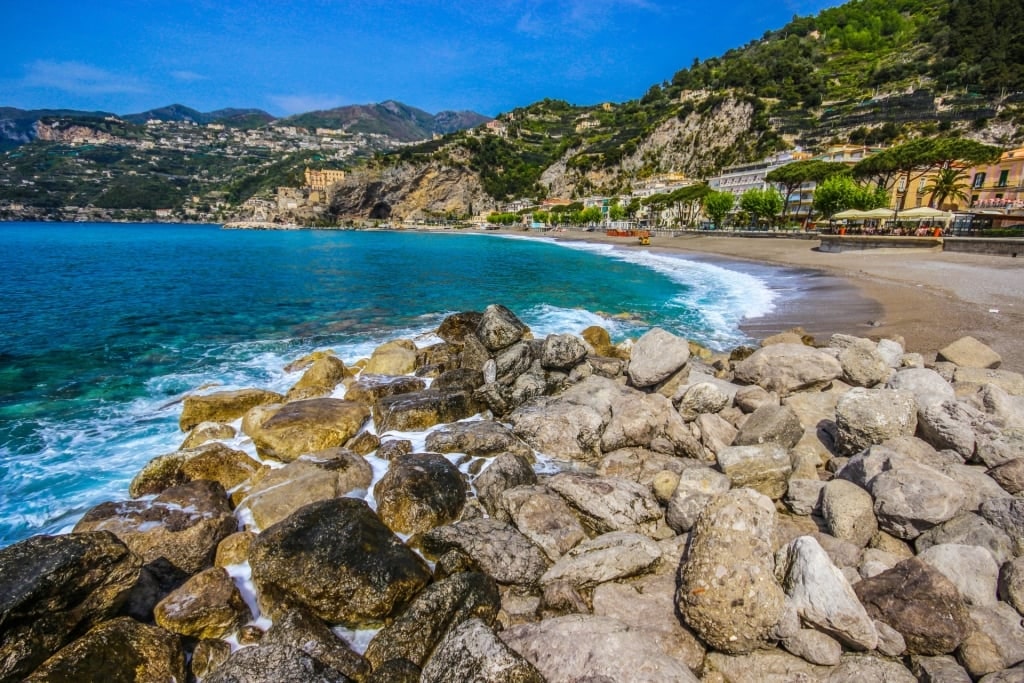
[79, 78]
[574, 17]
[300, 104]
[188, 76]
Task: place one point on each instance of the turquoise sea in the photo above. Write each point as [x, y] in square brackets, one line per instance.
[104, 327]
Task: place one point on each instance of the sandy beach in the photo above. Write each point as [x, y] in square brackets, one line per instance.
[928, 298]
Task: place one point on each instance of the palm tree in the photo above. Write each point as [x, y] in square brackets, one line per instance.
[948, 183]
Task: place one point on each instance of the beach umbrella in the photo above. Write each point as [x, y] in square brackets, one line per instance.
[880, 214]
[924, 213]
[854, 214]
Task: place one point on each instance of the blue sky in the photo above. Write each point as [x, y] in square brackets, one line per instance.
[289, 57]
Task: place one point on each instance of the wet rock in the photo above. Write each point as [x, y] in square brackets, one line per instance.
[234, 549]
[763, 467]
[300, 630]
[397, 357]
[482, 438]
[696, 488]
[143, 653]
[223, 406]
[419, 492]
[770, 424]
[865, 417]
[499, 328]
[459, 380]
[848, 511]
[506, 471]
[55, 586]
[608, 557]
[361, 577]
[370, 388]
[544, 518]
[205, 432]
[320, 379]
[562, 352]
[968, 352]
[207, 656]
[656, 356]
[456, 327]
[788, 368]
[308, 426]
[607, 503]
[208, 605]
[472, 652]
[495, 547]
[390, 449]
[419, 410]
[274, 664]
[970, 568]
[213, 461]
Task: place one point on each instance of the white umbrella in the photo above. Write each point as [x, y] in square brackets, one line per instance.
[850, 213]
[923, 213]
[878, 213]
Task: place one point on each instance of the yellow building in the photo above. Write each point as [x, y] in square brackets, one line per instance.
[999, 185]
[320, 180]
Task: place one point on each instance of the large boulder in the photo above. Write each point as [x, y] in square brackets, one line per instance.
[320, 379]
[543, 517]
[181, 526]
[697, 486]
[968, 352]
[770, 424]
[418, 410]
[274, 664]
[951, 425]
[362, 576]
[307, 426]
[608, 557]
[865, 417]
[118, 650]
[763, 467]
[396, 357]
[499, 328]
[208, 605]
[472, 652]
[480, 438]
[727, 588]
[562, 352]
[788, 368]
[369, 388]
[223, 406]
[419, 492]
[609, 503]
[214, 461]
[848, 512]
[996, 641]
[504, 472]
[456, 327]
[495, 547]
[912, 498]
[925, 384]
[52, 587]
[299, 629]
[918, 601]
[971, 568]
[863, 365]
[968, 528]
[656, 356]
[207, 431]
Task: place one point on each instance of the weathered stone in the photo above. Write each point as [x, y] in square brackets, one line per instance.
[865, 417]
[607, 503]
[766, 666]
[970, 380]
[52, 587]
[770, 424]
[118, 650]
[495, 547]
[968, 352]
[727, 590]
[207, 431]
[544, 518]
[1011, 583]
[435, 612]
[822, 596]
[696, 488]
[418, 410]
[869, 667]
[926, 385]
[481, 438]
[396, 357]
[318, 476]
[994, 447]
[716, 433]
[208, 605]
[370, 388]
[814, 647]
[499, 328]
[969, 529]
[951, 424]
[362, 576]
[919, 602]
[702, 398]
[208, 655]
[456, 327]
[299, 629]
[506, 471]
[183, 525]
[509, 363]
[472, 652]
[942, 669]
[392, 448]
[750, 398]
[590, 648]
[319, 380]
[970, 568]
[763, 467]
[233, 549]
[863, 366]
[223, 406]
[419, 492]
[1007, 514]
[977, 486]
[914, 498]
[803, 496]
[890, 641]
[307, 426]
[656, 356]
[848, 511]
[788, 368]
[599, 339]
[274, 664]
[996, 641]
[641, 465]
[562, 352]
[608, 557]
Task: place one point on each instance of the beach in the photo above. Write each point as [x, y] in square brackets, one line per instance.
[928, 298]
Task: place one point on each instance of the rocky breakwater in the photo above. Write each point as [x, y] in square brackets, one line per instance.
[495, 507]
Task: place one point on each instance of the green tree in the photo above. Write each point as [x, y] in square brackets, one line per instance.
[761, 203]
[948, 183]
[616, 212]
[835, 194]
[793, 175]
[717, 205]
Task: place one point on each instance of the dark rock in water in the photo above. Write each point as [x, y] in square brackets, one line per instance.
[395, 671]
[495, 547]
[499, 328]
[299, 629]
[433, 614]
[214, 461]
[506, 471]
[274, 664]
[474, 354]
[422, 409]
[482, 438]
[183, 525]
[208, 655]
[307, 427]
[419, 492]
[53, 587]
[115, 651]
[457, 326]
[459, 379]
[392, 448]
[208, 605]
[369, 389]
[338, 559]
[363, 443]
[472, 652]
[223, 406]
[921, 603]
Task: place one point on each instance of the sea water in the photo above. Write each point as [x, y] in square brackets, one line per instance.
[104, 327]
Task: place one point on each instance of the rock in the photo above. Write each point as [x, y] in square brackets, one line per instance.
[419, 492]
[970, 568]
[865, 417]
[208, 655]
[234, 549]
[892, 351]
[183, 525]
[803, 496]
[319, 380]
[274, 664]
[459, 380]
[608, 557]
[727, 589]
[495, 547]
[362, 444]
[207, 431]
[308, 426]
[607, 503]
[299, 629]
[822, 596]
[506, 471]
[499, 328]
[599, 339]
[1011, 583]
[943, 669]
[863, 366]
[369, 388]
[509, 363]
[996, 641]
[361, 577]
[562, 352]
[208, 605]
[590, 648]
[569, 426]
[481, 438]
[318, 476]
[750, 398]
[52, 587]
[396, 357]
[770, 424]
[926, 385]
[696, 488]
[977, 486]
[969, 529]
[396, 670]
[788, 368]
[848, 511]
[970, 380]
[544, 518]
[764, 468]
[455, 328]
[223, 406]
[952, 425]
[656, 356]
[392, 448]
[702, 398]
[1007, 514]
[890, 641]
[914, 498]
[814, 647]
[419, 410]
[919, 602]
[434, 613]
[641, 465]
[472, 652]
[647, 421]
[968, 352]
[214, 461]
[766, 666]
[716, 433]
[143, 653]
